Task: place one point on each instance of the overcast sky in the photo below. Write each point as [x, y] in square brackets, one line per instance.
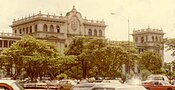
[142, 13]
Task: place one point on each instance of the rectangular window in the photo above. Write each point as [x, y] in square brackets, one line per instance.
[5, 43]
[0, 43]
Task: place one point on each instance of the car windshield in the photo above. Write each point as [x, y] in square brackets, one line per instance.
[111, 81]
[17, 86]
[103, 89]
[165, 83]
[133, 88]
[154, 78]
[81, 88]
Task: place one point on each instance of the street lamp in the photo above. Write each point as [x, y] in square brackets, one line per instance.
[128, 41]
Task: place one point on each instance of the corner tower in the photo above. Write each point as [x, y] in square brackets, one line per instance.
[149, 39]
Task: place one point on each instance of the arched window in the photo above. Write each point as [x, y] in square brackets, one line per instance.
[51, 28]
[153, 38]
[27, 30]
[90, 32]
[15, 31]
[58, 28]
[23, 31]
[5, 43]
[10, 43]
[30, 29]
[142, 39]
[95, 32]
[20, 31]
[0, 43]
[36, 28]
[100, 33]
[45, 27]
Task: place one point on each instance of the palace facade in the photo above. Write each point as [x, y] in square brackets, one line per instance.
[58, 30]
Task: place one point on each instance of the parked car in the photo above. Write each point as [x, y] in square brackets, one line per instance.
[111, 81]
[158, 85]
[133, 81]
[117, 87]
[10, 85]
[157, 77]
[53, 84]
[83, 86]
[66, 84]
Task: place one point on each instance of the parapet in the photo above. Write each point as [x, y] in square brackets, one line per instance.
[148, 30]
[94, 22]
[38, 16]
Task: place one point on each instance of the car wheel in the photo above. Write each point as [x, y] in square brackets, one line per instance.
[61, 88]
[148, 89]
[169, 89]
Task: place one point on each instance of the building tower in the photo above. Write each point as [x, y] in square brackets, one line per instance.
[149, 39]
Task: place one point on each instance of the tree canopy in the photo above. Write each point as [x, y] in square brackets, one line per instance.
[100, 57]
[151, 61]
[30, 55]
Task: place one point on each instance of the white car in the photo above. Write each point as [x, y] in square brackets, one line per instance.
[117, 87]
[10, 84]
[157, 77]
[111, 81]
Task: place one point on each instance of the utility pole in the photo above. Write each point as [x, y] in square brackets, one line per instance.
[127, 66]
[128, 46]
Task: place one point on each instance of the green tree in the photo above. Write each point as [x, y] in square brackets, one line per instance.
[108, 61]
[99, 57]
[82, 48]
[30, 55]
[151, 61]
[170, 45]
[61, 76]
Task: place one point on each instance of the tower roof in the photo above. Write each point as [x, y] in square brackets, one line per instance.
[73, 11]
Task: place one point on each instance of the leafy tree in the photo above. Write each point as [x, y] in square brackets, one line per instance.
[144, 74]
[82, 48]
[132, 56]
[170, 45]
[98, 57]
[108, 60]
[29, 54]
[151, 61]
[61, 76]
[167, 69]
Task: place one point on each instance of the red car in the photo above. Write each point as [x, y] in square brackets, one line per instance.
[158, 85]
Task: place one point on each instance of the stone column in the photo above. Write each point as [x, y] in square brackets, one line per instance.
[40, 27]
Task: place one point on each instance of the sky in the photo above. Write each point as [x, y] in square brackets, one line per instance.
[157, 14]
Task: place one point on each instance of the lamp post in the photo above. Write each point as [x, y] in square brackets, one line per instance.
[128, 27]
[128, 46]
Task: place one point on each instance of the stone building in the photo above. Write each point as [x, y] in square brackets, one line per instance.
[58, 30]
[149, 39]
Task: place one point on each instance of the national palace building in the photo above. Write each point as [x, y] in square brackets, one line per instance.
[58, 30]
